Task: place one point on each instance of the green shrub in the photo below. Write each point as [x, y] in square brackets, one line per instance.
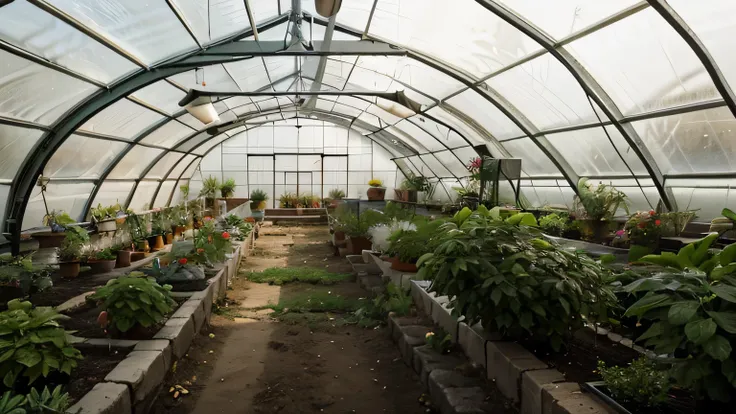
[212, 244]
[35, 402]
[33, 344]
[410, 245]
[599, 203]
[357, 225]
[640, 383]
[210, 185]
[105, 254]
[513, 281]
[18, 271]
[227, 188]
[134, 300]
[554, 224]
[71, 247]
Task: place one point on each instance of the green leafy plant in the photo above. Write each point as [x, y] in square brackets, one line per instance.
[227, 188]
[71, 247]
[212, 243]
[19, 271]
[12, 404]
[393, 300]
[58, 221]
[358, 225]
[439, 340]
[336, 194]
[101, 213]
[47, 401]
[184, 189]
[240, 228]
[258, 199]
[410, 245]
[413, 182]
[134, 300]
[641, 383]
[644, 228]
[288, 200]
[599, 203]
[513, 281]
[210, 185]
[33, 344]
[522, 219]
[554, 224]
[105, 254]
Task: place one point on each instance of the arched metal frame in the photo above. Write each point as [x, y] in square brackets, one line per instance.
[55, 135]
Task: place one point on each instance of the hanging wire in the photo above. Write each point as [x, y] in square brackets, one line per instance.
[600, 121]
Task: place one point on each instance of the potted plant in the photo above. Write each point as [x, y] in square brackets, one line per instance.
[287, 200]
[123, 255]
[411, 186]
[258, 203]
[158, 230]
[554, 224]
[335, 197]
[210, 185]
[105, 218]
[58, 221]
[406, 246]
[70, 251]
[643, 230]
[356, 228]
[596, 207]
[19, 278]
[376, 192]
[102, 261]
[227, 188]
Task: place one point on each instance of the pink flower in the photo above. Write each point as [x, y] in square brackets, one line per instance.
[183, 261]
[225, 235]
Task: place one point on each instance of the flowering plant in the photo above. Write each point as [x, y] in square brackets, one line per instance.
[375, 182]
[644, 228]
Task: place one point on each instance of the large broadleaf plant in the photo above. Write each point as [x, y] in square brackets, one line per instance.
[691, 302]
[33, 344]
[513, 281]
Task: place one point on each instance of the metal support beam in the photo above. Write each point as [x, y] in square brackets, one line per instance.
[591, 88]
[681, 27]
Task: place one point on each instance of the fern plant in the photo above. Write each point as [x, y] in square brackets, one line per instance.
[134, 300]
[210, 185]
[33, 344]
[227, 188]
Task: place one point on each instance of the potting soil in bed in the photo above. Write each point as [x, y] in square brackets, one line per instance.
[97, 363]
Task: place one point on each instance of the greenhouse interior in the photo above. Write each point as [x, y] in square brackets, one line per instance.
[401, 206]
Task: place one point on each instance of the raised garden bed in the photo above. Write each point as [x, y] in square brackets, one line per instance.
[97, 363]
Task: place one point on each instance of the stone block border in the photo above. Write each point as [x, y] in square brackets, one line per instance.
[519, 375]
[132, 386]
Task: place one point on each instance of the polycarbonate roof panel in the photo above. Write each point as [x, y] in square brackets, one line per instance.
[30, 28]
[561, 18]
[170, 134]
[159, 170]
[82, 157]
[15, 144]
[32, 92]
[250, 74]
[353, 13]
[141, 200]
[485, 114]
[123, 119]
[161, 95]
[134, 162]
[715, 31]
[694, 142]
[479, 41]
[148, 30]
[533, 161]
[183, 163]
[214, 77]
[644, 65]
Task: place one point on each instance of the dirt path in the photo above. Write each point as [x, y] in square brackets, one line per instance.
[302, 363]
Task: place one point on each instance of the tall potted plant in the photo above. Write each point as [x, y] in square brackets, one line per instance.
[356, 228]
[227, 188]
[70, 251]
[104, 218]
[644, 230]
[335, 197]
[376, 192]
[210, 186]
[58, 221]
[258, 203]
[596, 206]
[411, 186]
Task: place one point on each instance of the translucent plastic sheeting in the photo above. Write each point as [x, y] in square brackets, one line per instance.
[189, 172]
[70, 198]
[179, 169]
[177, 196]
[280, 67]
[353, 13]
[713, 29]
[15, 144]
[413, 73]
[435, 165]
[547, 192]
[113, 192]
[533, 161]
[141, 200]
[30, 28]
[249, 74]
[562, 18]
[453, 163]
[134, 162]
[545, 92]
[82, 157]
[168, 135]
[480, 42]
[589, 152]
[162, 198]
[191, 121]
[470, 133]
[123, 119]
[215, 78]
[465, 154]
[162, 167]
[644, 65]
[148, 30]
[161, 95]
[4, 190]
[485, 114]
[413, 133]
[702, 141]
[448, 137]
[709, 196]
[208, 145]
[32, 92]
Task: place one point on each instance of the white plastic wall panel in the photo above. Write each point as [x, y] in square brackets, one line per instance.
[70, 198]
[134, 162]
[148, 30]
[449, 161]
[32, 92]
[435, 165]
[15, 144]
[163, 165]
[123, 119]
[644, 65]
[30, 28]
[702, 141]
[480, 43]
[250, 74]
[82, 157]
[179, 169]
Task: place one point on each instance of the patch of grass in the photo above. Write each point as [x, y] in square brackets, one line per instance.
[281, 275]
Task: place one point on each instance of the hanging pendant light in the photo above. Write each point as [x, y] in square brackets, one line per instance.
[202, 109]
[327, 8]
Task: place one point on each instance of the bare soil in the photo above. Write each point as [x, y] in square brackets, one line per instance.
[309, 363]
[97, 363]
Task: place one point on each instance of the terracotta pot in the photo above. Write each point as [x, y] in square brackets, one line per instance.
[407, 195]
[156, 243]
[339, 235]
[356, 245]
[400, 266]
[49, 239]
[101, 266]
[69, 270]
[169, 238]
[136, 256]
[123, 258]
[142, 246]
[376, 193]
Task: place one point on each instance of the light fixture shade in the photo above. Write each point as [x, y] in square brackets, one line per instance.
[202, 109]
[394, 108]
[327, 8]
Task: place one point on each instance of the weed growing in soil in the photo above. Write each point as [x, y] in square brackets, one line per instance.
[281, 275]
